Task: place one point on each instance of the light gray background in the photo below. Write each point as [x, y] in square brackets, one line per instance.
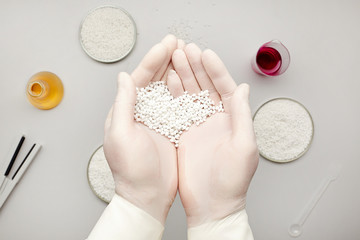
[54, 201]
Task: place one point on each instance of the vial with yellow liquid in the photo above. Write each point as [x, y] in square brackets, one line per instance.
[44, 90]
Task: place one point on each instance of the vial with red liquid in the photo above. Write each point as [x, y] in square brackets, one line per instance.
[272, 59]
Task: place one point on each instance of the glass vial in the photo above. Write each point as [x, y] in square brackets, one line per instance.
[272, 59]
[44, 90]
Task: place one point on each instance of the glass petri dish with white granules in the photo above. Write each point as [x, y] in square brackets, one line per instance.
[99, 176]
[284, 130]
[108, 34]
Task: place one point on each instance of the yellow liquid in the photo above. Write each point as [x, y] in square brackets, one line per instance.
[44, 90]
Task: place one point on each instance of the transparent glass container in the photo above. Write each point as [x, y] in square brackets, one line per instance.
[306, 143]
[44, 90]
[272, 59]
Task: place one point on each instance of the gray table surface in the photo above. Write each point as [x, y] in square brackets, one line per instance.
[54, 201]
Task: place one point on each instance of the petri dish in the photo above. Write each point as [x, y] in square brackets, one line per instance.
[99, 176]
[107, 34]
[284, 130]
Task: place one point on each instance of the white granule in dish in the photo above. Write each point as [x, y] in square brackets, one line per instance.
[100, 177]
[156, 108]
[108, 34]
[284, 130]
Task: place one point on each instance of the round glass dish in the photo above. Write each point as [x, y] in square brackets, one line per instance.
[107, 34]
[284, 130]
[99, 176]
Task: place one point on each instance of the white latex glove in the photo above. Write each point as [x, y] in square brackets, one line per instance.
[217, 159]
[123, 220]
[143, 162]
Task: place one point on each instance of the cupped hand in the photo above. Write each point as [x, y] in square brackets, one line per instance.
[143, 162]
[217, 159]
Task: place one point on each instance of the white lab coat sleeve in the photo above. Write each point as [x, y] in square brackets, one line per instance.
[234, 226]
[123, 220]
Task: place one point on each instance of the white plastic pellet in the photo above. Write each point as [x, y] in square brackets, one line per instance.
[159, 110]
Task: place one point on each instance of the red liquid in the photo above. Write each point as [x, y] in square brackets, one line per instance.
[268, 60]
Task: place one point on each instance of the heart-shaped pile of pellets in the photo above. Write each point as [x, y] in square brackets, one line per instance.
[159, 110]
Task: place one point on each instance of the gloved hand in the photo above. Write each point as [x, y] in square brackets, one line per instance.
[143, 163]
[217, 159]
